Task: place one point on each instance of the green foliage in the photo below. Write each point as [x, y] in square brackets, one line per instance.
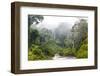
[33, 37]
[83, 51]
[51, 48]
[33, 33]
[67, 52]
[68, 43]
[43, 44]
[35, 53]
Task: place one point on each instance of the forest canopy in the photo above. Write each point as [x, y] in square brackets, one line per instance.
[65, 39]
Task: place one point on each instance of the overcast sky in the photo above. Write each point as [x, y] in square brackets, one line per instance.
[51, 22]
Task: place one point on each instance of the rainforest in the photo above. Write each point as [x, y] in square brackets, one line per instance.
[57, 37]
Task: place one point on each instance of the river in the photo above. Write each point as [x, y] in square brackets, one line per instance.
[58, 57]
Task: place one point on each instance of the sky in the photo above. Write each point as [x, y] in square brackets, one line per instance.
[51, 22]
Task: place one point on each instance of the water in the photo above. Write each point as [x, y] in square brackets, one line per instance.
[58, 57]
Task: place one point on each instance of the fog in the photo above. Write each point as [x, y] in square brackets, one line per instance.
[57, 35]
[52, 22]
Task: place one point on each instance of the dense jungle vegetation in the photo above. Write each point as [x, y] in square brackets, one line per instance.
[44, 43]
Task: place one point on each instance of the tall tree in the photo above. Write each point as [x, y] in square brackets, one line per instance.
[33, 19]
[79, 32]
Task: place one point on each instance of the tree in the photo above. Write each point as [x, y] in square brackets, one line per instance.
[68, 42]
[79, 33]
[51, 48]
[35, 19]
[83, 51]
[45, 35]
[33, 33]
[36, 53]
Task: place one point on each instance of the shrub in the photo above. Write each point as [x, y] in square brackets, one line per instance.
[67, 52]
[83, 51]
[35, 53]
